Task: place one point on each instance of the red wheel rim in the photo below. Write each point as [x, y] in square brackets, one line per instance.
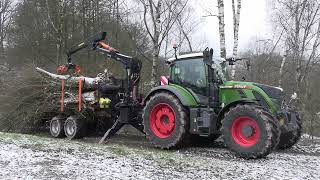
[245, 131]
[162, 120]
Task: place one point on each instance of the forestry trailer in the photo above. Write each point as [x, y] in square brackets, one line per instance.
[194, 102]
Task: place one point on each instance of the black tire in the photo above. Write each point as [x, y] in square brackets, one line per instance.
[287, 140]
[177, 136]
[74, 127]
[262, 131]
[56, 127]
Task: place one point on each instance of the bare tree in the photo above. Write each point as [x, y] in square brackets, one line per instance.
[186, 25]
[186, 37]
[236, 21]
[221, 29]
[159, 17]
[300, 21]
[58, 25]
[6, 12]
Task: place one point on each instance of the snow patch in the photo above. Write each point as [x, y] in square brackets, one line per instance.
[33, 157]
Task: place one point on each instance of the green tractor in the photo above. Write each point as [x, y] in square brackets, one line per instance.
[197, 102]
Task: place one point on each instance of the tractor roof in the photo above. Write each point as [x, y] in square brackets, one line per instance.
[185, 56]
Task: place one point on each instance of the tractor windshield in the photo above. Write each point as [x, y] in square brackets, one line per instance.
[190, 73]
[220, 67]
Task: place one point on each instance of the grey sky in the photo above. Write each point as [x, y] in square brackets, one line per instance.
[254, 23]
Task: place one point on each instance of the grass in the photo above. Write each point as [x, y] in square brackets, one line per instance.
[163, 158]
[119, 151]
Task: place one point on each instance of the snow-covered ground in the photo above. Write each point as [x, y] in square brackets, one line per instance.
[132, 157]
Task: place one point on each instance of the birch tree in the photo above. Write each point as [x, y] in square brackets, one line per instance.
[284, 59]
[158, 18]
[6, 12]
[236, 22]
[221, 29]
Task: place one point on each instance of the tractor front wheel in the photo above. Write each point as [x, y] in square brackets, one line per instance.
[165, 121]
[288, 139]
[249, 131]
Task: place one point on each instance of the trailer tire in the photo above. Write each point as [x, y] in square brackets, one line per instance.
[287, 140]
[165, 121]
[74, 127]
[56, 127]
[249, 131]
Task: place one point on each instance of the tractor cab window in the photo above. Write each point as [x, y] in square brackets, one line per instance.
[220, 69]
[190, 73]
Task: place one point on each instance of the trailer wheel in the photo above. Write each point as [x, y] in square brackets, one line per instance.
[249, 131]
[74, 127]
[287, 140]
[56, 127]
[165, 121]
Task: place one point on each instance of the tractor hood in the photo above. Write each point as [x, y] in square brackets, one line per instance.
[268, 96]
[272, 91]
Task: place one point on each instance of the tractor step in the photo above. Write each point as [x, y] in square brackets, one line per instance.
[203, 121]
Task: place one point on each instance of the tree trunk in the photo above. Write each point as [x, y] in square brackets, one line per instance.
[281, 69]
[236, 21]
[155, 59]
[2, 10]
[156, 47]
[221, 29]
[6, 13]
[222, 35]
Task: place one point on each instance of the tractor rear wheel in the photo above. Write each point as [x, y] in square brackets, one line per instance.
[249, 131]
[287, 140]
[74, 127]
[165, 121]
[56, 126]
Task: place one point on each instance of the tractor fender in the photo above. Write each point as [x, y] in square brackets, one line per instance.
[184, 96]
[228, 106]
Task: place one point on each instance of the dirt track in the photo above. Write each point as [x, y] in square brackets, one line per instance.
[131, 157]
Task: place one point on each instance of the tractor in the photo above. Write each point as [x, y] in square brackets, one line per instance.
[195, 102]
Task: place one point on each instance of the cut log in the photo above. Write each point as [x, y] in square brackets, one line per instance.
[89, 83]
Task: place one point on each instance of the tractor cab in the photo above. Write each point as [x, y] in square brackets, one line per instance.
[189, 71]
[182, 66]
[199, 73]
